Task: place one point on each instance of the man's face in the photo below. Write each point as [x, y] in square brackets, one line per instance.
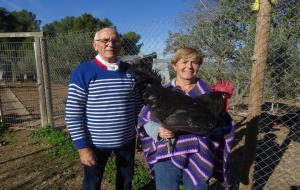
[107, 44]
[186, 68]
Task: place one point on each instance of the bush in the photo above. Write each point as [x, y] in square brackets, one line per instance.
[62, 146]
[61, 143]
[141, 178]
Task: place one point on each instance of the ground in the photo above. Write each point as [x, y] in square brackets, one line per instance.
[25, 162]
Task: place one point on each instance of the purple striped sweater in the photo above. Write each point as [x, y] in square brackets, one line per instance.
[200, 157]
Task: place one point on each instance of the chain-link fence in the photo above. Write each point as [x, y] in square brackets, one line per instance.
[18, 86]
[226, 34]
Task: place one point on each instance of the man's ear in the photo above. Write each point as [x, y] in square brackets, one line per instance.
[95, 46]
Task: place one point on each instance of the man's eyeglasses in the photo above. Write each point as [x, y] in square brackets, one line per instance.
[106, 41]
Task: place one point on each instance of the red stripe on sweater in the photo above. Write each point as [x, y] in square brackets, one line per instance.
[100, 64]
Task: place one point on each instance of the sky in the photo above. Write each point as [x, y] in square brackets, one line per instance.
[116, 10]
[152, 19]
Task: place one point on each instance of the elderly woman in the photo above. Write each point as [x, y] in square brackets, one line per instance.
[184, 157]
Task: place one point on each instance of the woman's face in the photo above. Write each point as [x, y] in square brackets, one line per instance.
[186, 68]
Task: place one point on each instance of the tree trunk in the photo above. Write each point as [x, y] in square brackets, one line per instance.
[256, 91]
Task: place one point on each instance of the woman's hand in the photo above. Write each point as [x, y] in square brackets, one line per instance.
[165, 133]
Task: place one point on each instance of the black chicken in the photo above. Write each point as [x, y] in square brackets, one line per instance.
[174, 109]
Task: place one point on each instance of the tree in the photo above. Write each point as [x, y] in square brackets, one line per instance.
[225, 34]
[25, 67]
[83, 23]
[69, 40]
[89, 24]
[6, 20]
[129, 43]
[18, 21]
[218, 32]
[284, 58]
[66, 50]
[70, 43]
[25, 21]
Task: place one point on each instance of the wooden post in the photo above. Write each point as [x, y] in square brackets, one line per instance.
[40, 80]
[47, 84]
[263, 23]
[38, 60]
[1, 111]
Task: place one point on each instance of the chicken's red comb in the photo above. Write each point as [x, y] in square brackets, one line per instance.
[223, 86]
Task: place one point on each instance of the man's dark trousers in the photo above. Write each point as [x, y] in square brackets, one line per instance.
[124, 164]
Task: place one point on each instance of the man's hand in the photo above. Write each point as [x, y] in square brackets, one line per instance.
[87, 156]
[165, 133]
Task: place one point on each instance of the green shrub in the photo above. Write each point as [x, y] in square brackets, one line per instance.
[141, 178]
[110, 171]
[2, 125]
[6, 134]
[61, 144]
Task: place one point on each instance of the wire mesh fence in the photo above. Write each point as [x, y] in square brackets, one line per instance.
[18, 87]
[225, 33]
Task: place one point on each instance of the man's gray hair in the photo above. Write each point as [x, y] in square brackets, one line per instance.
[105, 28]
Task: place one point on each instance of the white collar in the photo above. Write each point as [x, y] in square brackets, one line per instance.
[173, 82]
[110, 66]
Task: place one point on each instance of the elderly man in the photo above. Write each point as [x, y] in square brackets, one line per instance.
[101, 112]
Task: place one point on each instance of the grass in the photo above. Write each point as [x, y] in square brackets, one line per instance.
[2, 125]
[6, 134]
[141, 179]
[62, 146]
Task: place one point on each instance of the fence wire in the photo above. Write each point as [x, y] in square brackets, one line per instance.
[18, 86]
[225, 33]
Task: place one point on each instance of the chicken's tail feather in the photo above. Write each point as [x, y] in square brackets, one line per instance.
[144, 73]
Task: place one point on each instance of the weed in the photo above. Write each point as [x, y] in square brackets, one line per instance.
[61, 144]
[181, 187]
[141, 178]
[110, 169]
[6, 135]
[2, 125]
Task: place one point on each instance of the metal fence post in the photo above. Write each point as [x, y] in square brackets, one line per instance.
[47, 85]
[40, 80]
[263, 24]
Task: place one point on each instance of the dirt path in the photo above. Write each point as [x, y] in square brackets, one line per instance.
[26, 163]
[15, 112]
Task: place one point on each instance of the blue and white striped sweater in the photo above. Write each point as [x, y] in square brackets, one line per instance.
[102, 106]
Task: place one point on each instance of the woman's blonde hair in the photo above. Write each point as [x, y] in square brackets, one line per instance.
[185, 53]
